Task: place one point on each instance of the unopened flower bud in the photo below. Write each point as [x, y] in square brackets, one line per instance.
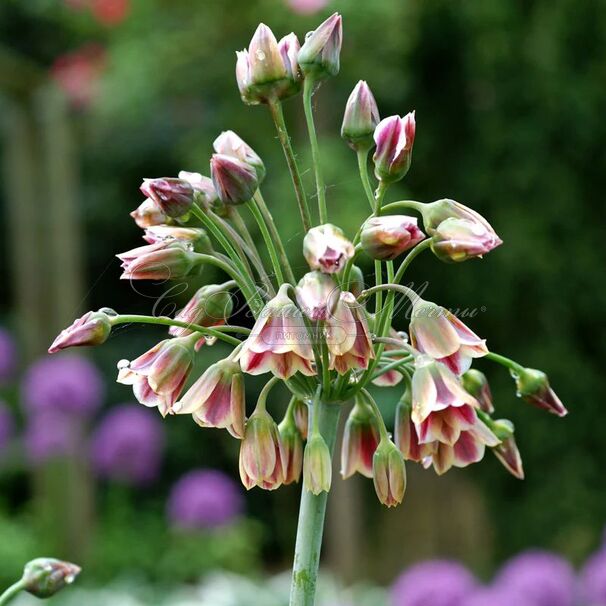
[317, 295]
[292, 447]
[235, 181]
[326, 248]
[159, 261]
[533, 386]
[230, 144]
[319, 55]
[394, 137]
[93, 328]
[301, 415]
[317, 465]
[508, 454]
[360, 440]
[148, 213]
[204, 190]
[44, 577]
[174, 196]
[196, 236]
[389, 236]
[476, 383]
[361, 118]
[389, 474]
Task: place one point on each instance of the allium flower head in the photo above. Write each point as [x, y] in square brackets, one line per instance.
[326, 248]
[51, 435]
[202, 499]
[127, 445]
[497, 596]
[8, 355]
[592, 582]
[66, 384]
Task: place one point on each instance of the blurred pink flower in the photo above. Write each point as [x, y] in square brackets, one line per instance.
[307, 7]
[110, 12]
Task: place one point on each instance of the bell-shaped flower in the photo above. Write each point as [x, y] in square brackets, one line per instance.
[279, 341]
[159, 375]
[406, 437]
[230, 144]
[385, 238]
[148, 213]
[476, 383]
[326, 248]
[360, 440]
[317, 295]
[173, 196]
[389, 474]
[268, 69]
[319, 56]
[235, 181]
[300, 413]
[440, 334]
[166, 260]
[93, 328]
[196, 237]
[261, 454]
[394, 137]
[347, 336]
[533, 386]
[217, 399]
[292, 448]
[317, 465]
[361, 118]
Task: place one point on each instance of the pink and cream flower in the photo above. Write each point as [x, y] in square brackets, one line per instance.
[326, 248]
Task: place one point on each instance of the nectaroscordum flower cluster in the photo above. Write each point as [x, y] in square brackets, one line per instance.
[323, 334]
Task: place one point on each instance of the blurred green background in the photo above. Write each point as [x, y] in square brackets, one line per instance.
[510, 99]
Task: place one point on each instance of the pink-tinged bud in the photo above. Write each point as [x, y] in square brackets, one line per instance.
[406, 437]
[268, 70]
[292, 448]
[93, 328]
[507, 451]
[356, 281]
[476, 383]
[173, 196]
[360, 440]
[279, 341]
[235, 181]
[210, 306]
[459, 233]
[159, 375]
[326, 248]
[394, 137]
[216, 399]
[440, 334]
[317, 295]
[533, 386]
[261, 455]
[229, 144]
[319, 55]
[348, 336]
[148, 213]
[204, 189]
[389, 474]
[317, 465]
[300, 413]
[194, 236]
[361, 118]
[389, 236]
[159, 261]
[44, 577]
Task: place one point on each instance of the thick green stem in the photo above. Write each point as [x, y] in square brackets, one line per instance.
[11, 592]
[308, 89]
[278, 118]
[311, 519]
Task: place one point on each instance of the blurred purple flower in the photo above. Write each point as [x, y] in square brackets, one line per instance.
[65, 384]
[541, 577]
[6, 426]
[307, 7]
[204, 498]
[496, 596]
[593, 580]
[50, 435]
[8, 355]
[128, 444]
[434, 583]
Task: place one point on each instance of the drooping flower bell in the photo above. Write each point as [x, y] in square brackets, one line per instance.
[360, 440]
[385, 238]
[394, 137]
[319, 57]
[268, 69]
[168, 260]
[196, 237]
[279, 341]
[533, 386]
[93, 328]
[406, 437]
[389, 473]
[173, 196]
[440, 334]
[292, 448]
[217, 398]
[317, 295]
[361, 118]
[300, 413]
[476, 383]
[235, 181]
[158, 376]
[148, 213]
[230, 144]
[261, 455]
[317, 465]
[326, 248]
[347, 336]
[44, 577]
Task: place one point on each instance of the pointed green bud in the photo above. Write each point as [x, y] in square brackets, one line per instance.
[389, 474]
[317, 465]
[44, 577]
